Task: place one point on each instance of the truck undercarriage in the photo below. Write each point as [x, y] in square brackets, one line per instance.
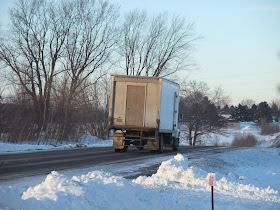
[140, 137]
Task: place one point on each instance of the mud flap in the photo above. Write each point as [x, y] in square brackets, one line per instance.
[152, 145]
[118, 141]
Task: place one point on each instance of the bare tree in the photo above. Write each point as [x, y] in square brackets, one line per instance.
[63, 42]
[248, 102]
[219, 98]
[32, 47]
[98, 107]
[157, 46]
[88, 47]
[200, 112]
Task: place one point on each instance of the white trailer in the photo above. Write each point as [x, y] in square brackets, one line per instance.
[144, 111]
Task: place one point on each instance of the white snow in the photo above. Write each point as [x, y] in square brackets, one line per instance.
[179, 183]
[84, 141]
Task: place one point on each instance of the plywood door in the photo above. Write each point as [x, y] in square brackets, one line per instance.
[135, 105]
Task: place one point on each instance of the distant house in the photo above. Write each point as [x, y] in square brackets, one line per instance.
[225, 115]
[228, 121]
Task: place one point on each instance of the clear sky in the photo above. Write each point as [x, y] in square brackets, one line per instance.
[240, 49]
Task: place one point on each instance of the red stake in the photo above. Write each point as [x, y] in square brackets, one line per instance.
[211, 183]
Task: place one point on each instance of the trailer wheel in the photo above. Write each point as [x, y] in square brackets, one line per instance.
[122, 150]
[175, 144]
[174, 148]
[125, 149]
[160, 144]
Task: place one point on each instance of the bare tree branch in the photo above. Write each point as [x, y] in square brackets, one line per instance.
[155, 46]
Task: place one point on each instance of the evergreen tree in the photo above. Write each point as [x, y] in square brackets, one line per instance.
[263, 111]
[242, 113]
[275, 111]
[226, 108]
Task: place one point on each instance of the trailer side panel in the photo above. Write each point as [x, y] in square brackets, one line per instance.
[169, 106]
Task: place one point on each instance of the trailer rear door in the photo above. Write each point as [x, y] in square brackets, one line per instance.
[135, 105]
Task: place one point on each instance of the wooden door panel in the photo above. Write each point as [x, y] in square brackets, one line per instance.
[135, 105]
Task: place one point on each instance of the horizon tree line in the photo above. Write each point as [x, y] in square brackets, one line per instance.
[255, 112]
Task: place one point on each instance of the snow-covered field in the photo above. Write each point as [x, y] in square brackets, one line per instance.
[244, 179]
[226, 135]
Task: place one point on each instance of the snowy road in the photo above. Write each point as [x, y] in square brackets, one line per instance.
[36, 163]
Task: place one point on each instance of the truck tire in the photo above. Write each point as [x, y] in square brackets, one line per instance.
[160, 144]
[125, 149]
[174, 148]
[122, 150]
[175, 143]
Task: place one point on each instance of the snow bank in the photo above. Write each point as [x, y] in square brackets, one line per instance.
[84, 141]
[9, 147]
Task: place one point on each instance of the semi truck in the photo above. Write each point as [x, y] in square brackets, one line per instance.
[143, 112]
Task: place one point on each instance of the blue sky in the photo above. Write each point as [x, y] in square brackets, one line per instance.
[240, 49]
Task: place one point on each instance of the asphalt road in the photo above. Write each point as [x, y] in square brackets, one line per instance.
[14, 166]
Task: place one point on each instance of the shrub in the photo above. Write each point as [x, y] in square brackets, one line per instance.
[269, 129]
[244, 141]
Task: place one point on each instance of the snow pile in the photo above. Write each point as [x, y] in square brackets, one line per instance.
[95, 190]
[169, 172]
[84, 141]
[55, 183]
[175, 173]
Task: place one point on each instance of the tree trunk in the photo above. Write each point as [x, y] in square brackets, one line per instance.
[65, 125]
[190, 137]
[195, 136]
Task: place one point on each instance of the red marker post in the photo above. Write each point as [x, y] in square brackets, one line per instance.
[211, 183]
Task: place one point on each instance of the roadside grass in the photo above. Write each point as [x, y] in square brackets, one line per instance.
[245, 140]
[267, 129]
